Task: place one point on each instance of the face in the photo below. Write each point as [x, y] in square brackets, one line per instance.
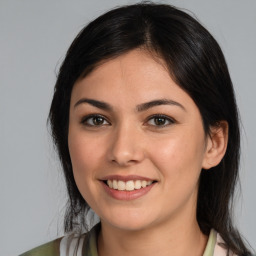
[136, 142]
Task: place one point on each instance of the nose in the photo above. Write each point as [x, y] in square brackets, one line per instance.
[126, 147]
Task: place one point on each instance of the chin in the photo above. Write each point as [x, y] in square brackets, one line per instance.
[129, 222]
[130, 226]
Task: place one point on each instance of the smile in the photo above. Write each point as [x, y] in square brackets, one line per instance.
[129, 185]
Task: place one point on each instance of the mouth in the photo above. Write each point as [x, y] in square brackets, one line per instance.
[129, 185]
[127, 188]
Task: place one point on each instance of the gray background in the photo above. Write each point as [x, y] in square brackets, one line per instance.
[34, 38]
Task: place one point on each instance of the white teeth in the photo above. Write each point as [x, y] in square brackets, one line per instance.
[115, 184]
[143, 183]
[121, 185]
[110, 184]
[137, 184]
[128, 185]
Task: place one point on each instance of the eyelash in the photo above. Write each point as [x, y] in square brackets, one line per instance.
[85, 119]
[165, 118]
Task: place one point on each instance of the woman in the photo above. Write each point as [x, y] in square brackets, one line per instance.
[145, 122]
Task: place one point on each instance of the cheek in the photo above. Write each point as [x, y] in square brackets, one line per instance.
[84, 152]
[178, 154]
[79, 155]
[84, 158]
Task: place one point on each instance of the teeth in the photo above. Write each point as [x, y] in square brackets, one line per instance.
[115, 184]
[128, 185]
[137, 184]
[143, 183]
[121, 185]
[110, 183]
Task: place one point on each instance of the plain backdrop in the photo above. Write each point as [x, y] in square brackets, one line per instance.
[34, 36]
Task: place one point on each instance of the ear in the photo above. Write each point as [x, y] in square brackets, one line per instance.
[216, 145]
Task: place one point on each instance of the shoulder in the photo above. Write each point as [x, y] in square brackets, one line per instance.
[220, 248]
[50, 249]
[67, 245]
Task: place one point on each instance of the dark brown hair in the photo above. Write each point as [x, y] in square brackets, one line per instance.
[196, 63]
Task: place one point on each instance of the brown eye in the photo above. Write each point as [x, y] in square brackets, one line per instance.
[160, 120]
[95, 120]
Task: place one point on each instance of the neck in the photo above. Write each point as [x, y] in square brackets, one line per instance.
[164, 239]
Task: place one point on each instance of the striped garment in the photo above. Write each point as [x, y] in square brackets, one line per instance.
[86, 245]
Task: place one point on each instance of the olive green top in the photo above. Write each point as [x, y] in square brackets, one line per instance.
[86, 245]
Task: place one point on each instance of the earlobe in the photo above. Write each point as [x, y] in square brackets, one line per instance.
[216, 146]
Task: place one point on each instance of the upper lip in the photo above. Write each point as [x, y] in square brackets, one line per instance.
[126, 178]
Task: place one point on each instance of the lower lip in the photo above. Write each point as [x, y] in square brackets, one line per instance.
[127, 195]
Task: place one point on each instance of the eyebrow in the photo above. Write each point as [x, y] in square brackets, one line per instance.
[158, 102]
[98, 104]
[141, 107]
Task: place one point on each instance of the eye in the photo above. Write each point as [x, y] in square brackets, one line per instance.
[94, 120]
[160, 120]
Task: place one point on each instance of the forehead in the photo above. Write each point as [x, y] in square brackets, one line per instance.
[134, 78]
[137, 55]
[137, 68]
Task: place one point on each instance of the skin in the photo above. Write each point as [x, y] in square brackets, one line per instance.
[131, 142]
